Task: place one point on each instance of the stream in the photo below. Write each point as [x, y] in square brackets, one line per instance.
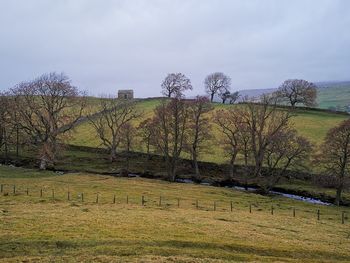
[253, 189]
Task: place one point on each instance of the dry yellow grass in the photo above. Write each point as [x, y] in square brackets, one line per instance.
[34, 228]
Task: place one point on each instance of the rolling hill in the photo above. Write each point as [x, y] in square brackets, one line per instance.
[334, 95]
[313, 124]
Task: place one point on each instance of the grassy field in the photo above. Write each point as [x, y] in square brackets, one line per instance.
[336, 96]
[312, 124]
[53, 229]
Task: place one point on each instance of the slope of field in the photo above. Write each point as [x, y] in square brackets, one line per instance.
[330, 95]
[336, 97]
[50, 228]
[312, 124]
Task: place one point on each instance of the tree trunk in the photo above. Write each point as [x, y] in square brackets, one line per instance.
[113, 156]
[146, 164]
[148, 151]
[338, 195]
[211, 97]
[195, 165]
[172, 170]
[258, 165]
[43, 163]
[232, 165]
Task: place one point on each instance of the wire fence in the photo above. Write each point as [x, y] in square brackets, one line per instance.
[163, 201]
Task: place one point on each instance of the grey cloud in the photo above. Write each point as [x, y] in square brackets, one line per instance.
[109, 45]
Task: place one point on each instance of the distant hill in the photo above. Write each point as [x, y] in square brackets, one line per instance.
[333, 95]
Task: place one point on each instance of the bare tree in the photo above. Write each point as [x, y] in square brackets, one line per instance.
[170, 122]
[234, 97]
[215, 83]
[6, 128]
[113, 115]
[263, 121]
[286, 150]
[175, 84]
[11, 134]
[128, 135]
[145, 131]
[224, 96]
[199, 128]
[48, 108]
[334, 157]
[227, 121]
[236, 136]
[297, 91]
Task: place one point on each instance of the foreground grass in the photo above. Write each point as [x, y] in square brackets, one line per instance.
[47, 228]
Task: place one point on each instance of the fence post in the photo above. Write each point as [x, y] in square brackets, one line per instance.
[293, 211]
[178, 202]
[343, 217]
[41, 192]
[231, 206]
[318, 214]
[160, 201]
[127, 199]
[113, 199]
[97, 198]
[142, 200]
[250, 208]
[214, 205]
[68, 195]
[27, 191]
[272, 210]
[14, 189]
[53, 194]
[197, 204]
[82, 197]
[1, 188]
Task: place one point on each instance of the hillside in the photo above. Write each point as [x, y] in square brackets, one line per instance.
[333, 95]
[312, 124]
[92, 227]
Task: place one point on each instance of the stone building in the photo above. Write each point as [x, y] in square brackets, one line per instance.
[126, 94]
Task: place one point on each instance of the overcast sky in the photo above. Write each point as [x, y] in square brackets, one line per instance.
[108, 45]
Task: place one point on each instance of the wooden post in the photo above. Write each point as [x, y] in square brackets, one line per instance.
[293, 211]
[127, 199]
[97, 198]
[160, 201]
[343, 217]
[1, 188]
[250, 208]
[318, 214]
[197, 204]
[272, 210]
[41, 192]
[113, 199]
[231, 206]
[142, 200]
[68, 196]
[178, 202]
[14, 189]
[82, 197]
[214, 205]
[53, 194]
[27, 191]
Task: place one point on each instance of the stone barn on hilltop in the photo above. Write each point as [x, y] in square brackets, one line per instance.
[125, 94]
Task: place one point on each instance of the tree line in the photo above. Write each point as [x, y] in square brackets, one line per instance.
[43, 112]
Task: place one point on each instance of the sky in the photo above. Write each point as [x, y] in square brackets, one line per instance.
[108, 45]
